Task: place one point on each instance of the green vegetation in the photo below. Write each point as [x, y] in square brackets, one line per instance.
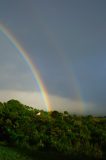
[42, 135]
[10, 154]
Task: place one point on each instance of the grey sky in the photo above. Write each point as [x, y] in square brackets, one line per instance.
[66, 39]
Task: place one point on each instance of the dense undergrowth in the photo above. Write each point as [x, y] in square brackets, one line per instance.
[43, 135]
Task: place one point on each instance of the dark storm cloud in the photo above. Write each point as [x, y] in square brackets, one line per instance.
[65, 39]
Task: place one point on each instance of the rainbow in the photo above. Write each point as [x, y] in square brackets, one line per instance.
[32, 66]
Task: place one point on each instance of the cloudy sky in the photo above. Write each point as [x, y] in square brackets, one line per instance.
[66, 40]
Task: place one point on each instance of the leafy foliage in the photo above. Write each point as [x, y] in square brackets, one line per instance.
[34, 130]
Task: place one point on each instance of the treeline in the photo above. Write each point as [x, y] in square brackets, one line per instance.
[36, 130]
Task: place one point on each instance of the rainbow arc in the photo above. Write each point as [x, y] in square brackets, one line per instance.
[32, 66]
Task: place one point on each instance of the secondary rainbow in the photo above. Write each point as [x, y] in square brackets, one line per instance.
[32, 66]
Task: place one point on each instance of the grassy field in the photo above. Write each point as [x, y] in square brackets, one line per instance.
[11, 154]
[7, 153]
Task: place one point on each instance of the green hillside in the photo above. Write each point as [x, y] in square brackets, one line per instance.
[42, 135]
